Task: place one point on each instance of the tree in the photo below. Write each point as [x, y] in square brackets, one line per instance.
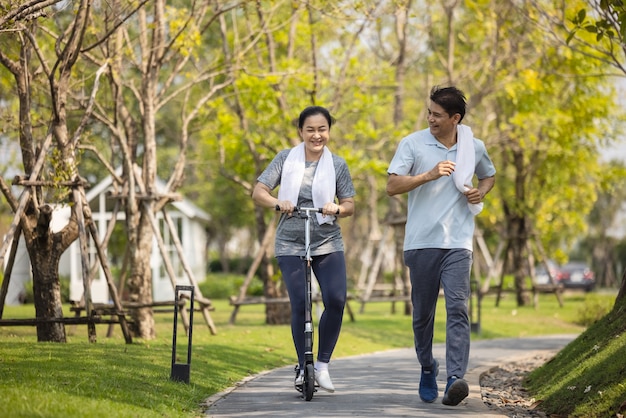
[292, 65]
[599, 246]
[151, 63]
[605, 21]
[48, 134]
[161, 79]
[484, 47]
[186, 72]
[531, 102]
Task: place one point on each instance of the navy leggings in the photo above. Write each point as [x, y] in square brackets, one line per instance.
[330, 271]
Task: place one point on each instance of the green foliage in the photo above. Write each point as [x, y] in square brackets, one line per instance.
[593, 310]
[225, 285]
[551, 121]
[611, 22]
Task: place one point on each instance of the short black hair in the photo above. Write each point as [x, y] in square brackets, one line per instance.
[315, 110]
[450, 98]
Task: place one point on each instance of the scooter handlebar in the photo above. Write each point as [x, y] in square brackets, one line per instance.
[303, 209]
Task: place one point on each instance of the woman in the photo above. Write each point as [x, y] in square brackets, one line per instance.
[309, 175]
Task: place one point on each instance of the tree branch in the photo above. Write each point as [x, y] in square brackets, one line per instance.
[8, 194]
[26, 11]
[89, 110]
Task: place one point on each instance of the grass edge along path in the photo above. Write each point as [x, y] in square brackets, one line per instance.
[588, 377]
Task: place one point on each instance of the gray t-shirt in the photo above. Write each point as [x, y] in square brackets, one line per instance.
[326, 238]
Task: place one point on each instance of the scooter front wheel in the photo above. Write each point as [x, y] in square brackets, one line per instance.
[309, 382]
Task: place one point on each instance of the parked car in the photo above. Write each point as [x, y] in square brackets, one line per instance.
[572, 275]
[541, 274]
[578, 275]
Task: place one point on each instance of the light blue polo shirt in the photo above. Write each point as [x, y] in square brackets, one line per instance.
[438, 215]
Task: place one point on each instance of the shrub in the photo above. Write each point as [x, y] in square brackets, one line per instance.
[592, 310]
[237, 265]
[225, 285]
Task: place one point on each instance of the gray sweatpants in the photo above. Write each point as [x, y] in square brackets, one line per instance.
[431, 268]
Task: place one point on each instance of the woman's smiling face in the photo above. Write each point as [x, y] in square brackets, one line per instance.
[315, 133]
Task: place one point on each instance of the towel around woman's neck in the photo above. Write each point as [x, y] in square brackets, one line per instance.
[324, 183]
[465, 164]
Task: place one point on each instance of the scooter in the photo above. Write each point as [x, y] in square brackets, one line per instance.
[308, 386]
[309, 367]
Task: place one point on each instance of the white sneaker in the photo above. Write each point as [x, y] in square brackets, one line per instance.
[323, 380]
[298, 383]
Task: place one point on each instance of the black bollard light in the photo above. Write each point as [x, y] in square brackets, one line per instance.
[181, 371]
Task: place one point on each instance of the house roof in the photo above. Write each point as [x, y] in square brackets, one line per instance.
[185, 206]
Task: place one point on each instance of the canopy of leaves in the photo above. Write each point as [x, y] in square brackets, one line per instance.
[541, 108]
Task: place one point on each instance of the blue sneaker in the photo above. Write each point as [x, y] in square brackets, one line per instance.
[428, 383]
[456, 390]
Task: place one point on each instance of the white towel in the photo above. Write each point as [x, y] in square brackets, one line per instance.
[324, 183]
[465, 164]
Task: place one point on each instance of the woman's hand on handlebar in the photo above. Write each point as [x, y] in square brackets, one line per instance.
[331, 208]
[284, 206]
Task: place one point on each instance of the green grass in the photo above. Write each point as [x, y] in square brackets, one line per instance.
[114, 379]
[588, 377]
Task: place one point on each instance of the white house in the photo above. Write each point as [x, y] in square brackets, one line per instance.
[190, 222]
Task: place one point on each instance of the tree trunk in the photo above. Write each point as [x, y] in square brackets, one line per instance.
[622, 288]
[222, 242]
[603, 262]
[140, 281]
[516, 221]
[518, 236]
[47, 293]
[398, 221]
[45, 250]
[275, 313]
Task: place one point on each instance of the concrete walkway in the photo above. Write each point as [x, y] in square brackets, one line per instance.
[376, 385]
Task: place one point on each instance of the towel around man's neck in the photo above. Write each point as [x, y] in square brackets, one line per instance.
[465, 164]
[324, 183]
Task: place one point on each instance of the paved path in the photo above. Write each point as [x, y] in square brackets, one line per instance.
[376, 385]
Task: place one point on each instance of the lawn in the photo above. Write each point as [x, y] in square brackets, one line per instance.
[586, 378]
[112, 379]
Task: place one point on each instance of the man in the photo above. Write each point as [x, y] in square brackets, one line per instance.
[436, 166]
